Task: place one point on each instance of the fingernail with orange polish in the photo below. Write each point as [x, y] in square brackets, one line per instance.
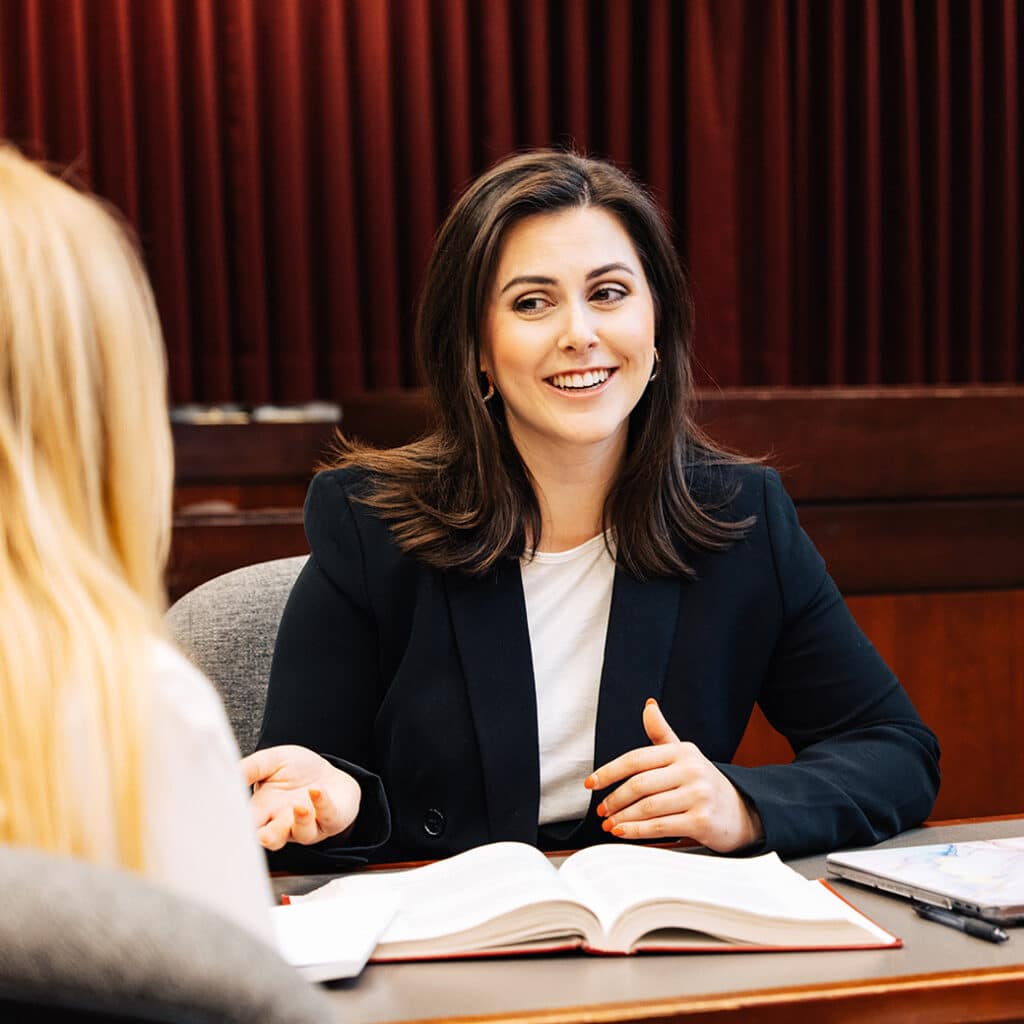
[619, 830]
[606, 825]
[650, 701]
[601, 809]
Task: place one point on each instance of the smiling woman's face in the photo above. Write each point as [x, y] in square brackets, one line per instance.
[568, 336]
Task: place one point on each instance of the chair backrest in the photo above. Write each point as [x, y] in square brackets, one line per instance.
[227, 627]
[82, 942]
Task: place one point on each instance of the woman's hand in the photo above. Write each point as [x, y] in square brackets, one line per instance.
[298, 796]
[673, 790]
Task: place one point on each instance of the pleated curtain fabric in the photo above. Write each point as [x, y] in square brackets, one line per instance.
[843, 176]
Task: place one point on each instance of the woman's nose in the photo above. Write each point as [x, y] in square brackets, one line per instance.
[580, 333]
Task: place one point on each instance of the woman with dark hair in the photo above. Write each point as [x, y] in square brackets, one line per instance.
[549, 620]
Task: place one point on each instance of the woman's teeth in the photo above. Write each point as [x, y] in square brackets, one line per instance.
[589, 379]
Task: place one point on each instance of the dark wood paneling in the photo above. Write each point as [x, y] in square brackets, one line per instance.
[830, 444]
[387, 418]
[869, 549]
[902, 490]
[249, 452]
[856, 444]
[247, 494]
[210, 544]
[893, 546]
[843, 443]
[961, 658]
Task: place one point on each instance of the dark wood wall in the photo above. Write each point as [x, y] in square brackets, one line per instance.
[914, 497]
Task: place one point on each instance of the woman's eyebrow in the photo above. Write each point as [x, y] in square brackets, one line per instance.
[537, 279]
[527, 279]
[608, 267]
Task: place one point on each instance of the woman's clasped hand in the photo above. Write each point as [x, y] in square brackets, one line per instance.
[671, 790]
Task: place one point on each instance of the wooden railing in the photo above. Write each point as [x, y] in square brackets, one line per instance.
[902, 490]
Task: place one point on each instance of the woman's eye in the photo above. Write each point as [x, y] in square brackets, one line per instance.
[609, 293]
[531, 304]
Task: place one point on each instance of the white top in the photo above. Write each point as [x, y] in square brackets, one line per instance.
[200, 841]
[568, 598]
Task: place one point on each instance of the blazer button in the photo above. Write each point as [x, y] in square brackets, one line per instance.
[434, 822]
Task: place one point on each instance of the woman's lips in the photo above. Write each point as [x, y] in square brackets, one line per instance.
[581, 382]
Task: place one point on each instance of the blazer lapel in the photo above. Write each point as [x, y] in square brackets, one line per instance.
[491, 631]
[641, 627]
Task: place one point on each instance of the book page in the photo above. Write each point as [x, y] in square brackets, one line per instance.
[613, 878]
[457, 894]
[324, 940]
[725, 897]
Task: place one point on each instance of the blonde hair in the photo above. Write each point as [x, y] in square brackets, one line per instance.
[85, 485]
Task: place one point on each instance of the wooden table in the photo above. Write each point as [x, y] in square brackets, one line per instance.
[939, 975]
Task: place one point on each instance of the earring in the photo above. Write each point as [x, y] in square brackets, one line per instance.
[490, 386]
[657, 364]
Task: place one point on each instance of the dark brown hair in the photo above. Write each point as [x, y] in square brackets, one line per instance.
[461, 497]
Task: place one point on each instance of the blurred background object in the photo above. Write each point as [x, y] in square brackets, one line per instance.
[844, 175]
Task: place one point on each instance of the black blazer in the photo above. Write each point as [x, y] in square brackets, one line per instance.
[420, 682]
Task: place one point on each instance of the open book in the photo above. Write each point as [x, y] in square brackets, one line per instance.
[509, 898]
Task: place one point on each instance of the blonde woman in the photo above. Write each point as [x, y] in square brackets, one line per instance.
[112, 743]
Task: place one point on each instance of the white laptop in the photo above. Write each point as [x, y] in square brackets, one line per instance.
[982, 878]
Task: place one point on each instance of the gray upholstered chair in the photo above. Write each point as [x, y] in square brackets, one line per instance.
[79, 942]
[227, 626]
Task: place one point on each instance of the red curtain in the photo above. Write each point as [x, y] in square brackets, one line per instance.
[844, 177]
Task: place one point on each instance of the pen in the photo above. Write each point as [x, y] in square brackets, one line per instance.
[971, 925]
